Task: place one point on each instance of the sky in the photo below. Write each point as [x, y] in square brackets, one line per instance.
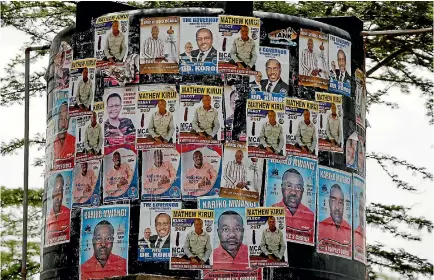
[403, 132]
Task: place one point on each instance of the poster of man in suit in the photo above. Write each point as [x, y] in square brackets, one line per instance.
[340, 65]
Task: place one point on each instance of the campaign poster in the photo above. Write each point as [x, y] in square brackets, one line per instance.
[89, 138]
[266, 125]
[235, 181]
[198, 42]
[111, 37]
[161, 173]
[64, 142]
[115, 74]
[159, 45]
[82, 86]
[50, 135]
[303, 124]
[334, 233]
[292, 184]
[62, 65]
[359, 218]
[86, 189]
[120, 173]
[156, 117]
[266, 231]
[58, 214]
[360, 98]
[330, 132]
[200, 170]
[60, 97]
[154, 231]
[200, 114]
[351, 150]
[191, 244]
[109, 226]
[285, 36]
[361, 156]
[313, 59]
[273, 68]
[120, 115]
[238, 44]
[255, 170]
[253, 274]
[340, 65]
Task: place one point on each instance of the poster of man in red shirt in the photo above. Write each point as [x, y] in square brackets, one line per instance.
[359, 219]
[104, 241]
[58, 208]
[64, 143]
[291, 184]
[334, 212]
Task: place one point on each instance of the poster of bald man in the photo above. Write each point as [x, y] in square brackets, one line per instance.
[198, 44]
[360, 98]
[156, 117]
[359, 218]
[266, 231]
[266, 125]
[191, 239]
[201, 168]
[104, 236]
[235, 181]
[251, 274]
[334, 213]
[86, 188]
[303, 124]
[238, 44]
[120, 173]
[111, 37]
[292, 184]
[161, 173]
[82, 86]
[59, 203]
[330, 132]
[313, 59]
[154, 231]
[89, 140]
[273, 67]
[200, 117]
[340, 65]
[159, 45]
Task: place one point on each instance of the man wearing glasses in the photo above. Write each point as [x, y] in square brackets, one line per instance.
[297, 215]
[115, 126]
[232, 254]
[103, 263]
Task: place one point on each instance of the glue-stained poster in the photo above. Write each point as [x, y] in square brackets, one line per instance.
[104, 238]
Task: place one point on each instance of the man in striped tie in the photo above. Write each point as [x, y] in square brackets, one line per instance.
[236, 172]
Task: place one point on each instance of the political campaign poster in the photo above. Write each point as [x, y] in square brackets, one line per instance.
[64, 142]
[113, 74]
[156, 117]
[313, 59]
[50, 135]
[161, 173]
[60, 98]
[330, 132]
[200, 114]
[104, 244]
[86, 188]
[340, 65]
[59, 202]
[252, 274]
[351, 150]
[159, 45]
[120, 115]
[200, 170]
[62, 65]
[266, 232]
[235, 181]
[266, 125]
[154, 231]
[360, 98]
[198, 42]
[334, 233]
[255, 170]
[191, 244]
[361, 156]
[89, 138]
[111, 37]
[292, 184]
[303, 125]
[359, 218]
[238, 44]
[273, 71]
[120, 173]
[285, 36]
[82, 86]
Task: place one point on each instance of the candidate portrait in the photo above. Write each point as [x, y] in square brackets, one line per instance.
[197, 246]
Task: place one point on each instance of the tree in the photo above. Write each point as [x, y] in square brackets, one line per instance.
[396, 61]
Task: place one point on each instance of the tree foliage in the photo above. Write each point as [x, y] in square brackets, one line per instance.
[401, 62]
